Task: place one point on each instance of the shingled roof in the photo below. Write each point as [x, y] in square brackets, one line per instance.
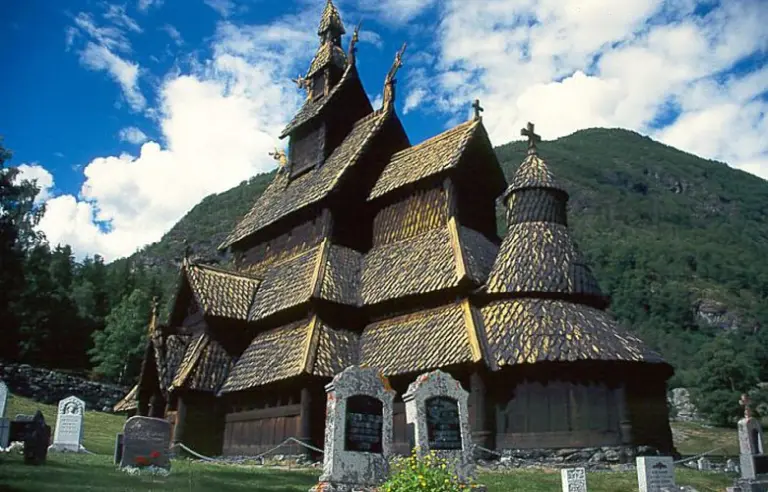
[220, 292]
[442, 257]
[307, 346]
[129, 402]
[421, 341]
[209, 369]
[526, 331]
[285, 195]
[428, 158]
[327, 54]
[330, 20]
[326, 271]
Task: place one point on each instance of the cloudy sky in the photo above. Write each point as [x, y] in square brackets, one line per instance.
[129, 113]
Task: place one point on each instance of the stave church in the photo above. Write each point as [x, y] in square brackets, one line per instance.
[366, 249]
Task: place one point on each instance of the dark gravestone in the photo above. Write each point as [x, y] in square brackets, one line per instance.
[363, 426]
[35, 434]
[118, 448]
[146, 442]
[443, 426]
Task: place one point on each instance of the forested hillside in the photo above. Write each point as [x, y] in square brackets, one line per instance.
[677, 241]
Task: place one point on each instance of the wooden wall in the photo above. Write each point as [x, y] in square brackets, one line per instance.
[419, 212]
[648, 413]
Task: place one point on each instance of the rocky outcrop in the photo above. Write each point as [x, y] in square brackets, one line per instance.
[49, 387]
[716, 314]
[682, 407]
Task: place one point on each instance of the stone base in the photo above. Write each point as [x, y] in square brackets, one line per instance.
[66, 448]
[342, 487]
[747, 485]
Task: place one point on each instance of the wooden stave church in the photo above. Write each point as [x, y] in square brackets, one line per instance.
[323, 278]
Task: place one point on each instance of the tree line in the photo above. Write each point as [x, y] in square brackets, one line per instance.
[79, 316]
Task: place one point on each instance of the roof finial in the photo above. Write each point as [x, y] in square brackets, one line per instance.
[389, 82]
[532, 137]
[744, 402]
[280, 157]
[478, 109]
[187, 251]
[353, 43]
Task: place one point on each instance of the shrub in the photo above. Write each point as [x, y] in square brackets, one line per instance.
[423, 473]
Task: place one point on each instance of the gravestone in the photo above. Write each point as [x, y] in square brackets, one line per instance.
[358, 431]
[574, 479]
[437, 415]
[118, 449]
[703, 464]
[752, 461]
[655, 473]
[68, 434]
[5, 433]
[146, 442]
[731, 466]
[35, 434]
[3, 398]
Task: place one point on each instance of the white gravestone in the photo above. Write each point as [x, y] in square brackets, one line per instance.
[703, 464]
[655, 473]
[437, 415]
[3, 398]
[574, 479]
[68, 435]
[358, 431]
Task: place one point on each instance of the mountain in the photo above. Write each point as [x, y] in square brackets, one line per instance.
[676, 240]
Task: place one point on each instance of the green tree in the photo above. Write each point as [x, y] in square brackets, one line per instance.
[119, 348]
[726, 370]
[18, 217]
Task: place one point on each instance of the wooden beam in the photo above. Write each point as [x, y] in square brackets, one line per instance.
[264, 413]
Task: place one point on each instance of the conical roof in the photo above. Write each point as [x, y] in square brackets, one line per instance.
[330, 20]
[538, 257]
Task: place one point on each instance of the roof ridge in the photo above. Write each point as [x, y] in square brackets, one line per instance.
[224, 271]
[434, 139]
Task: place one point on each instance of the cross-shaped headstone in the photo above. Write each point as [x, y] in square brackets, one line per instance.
[533, 139]
[478, 109]
[744, 402]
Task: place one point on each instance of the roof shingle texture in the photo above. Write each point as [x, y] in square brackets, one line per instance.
[428, 158]
[284, 195]
[526, 331]
[220, 292]
[417, 342]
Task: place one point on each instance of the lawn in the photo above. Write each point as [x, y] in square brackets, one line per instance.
[70, 472]
[67, 472]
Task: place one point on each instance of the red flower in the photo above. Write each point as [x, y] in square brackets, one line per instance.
[141, 460]
[154, 455]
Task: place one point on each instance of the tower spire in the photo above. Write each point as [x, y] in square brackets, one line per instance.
[330, 21]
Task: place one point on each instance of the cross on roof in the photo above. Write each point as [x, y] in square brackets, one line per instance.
[533, 139]
[478, 109]
[744, 402]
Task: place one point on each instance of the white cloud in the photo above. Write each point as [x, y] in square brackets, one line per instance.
[371, 37]
[573, 64]
[246, 95]
[110, 37]
[174, 34]
[413, 99]
[34, 173]
[223, 7]
[144, 5]
[116, 14]
[395, 11]
[133, 135]
[124, 72]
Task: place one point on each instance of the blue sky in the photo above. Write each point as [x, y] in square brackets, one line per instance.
[128, 113]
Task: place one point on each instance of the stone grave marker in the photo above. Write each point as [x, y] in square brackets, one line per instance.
[35, 434]
[574, 479]
[68, 435]
[118, 448]
[358, 431]
[3, 398]
[146, 442]
[655, 473]
[703, 464]
[731, 466]
[753, 463]
[5, 432]
[437, 415]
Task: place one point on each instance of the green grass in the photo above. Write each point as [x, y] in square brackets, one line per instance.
[67, 472]
[692, 438]
[71, 472]
[99, 428]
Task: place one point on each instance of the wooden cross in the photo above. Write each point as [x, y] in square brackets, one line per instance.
[533, 139]
[478, 109]
[744, 402]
